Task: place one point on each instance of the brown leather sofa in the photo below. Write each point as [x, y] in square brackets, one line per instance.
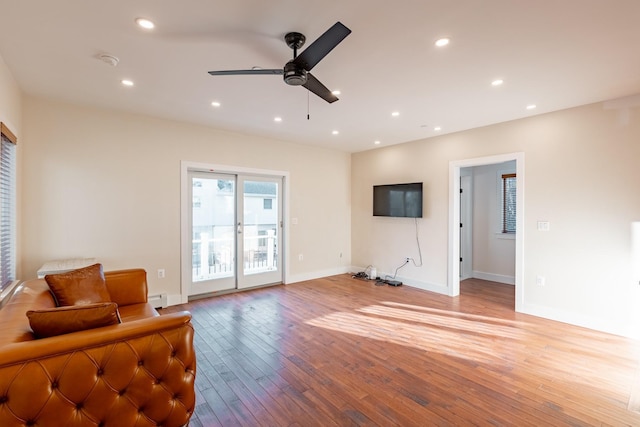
[140, 372]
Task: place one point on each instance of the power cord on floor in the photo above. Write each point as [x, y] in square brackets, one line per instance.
[362, 274]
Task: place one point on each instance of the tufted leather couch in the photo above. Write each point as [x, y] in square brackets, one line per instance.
[140, 372]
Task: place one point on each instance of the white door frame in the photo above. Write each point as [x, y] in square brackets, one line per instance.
[453, 275]
[185, 232]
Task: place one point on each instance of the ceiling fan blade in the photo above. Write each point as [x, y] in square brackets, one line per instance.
[322, 46]
[314, 85]
[244, 72]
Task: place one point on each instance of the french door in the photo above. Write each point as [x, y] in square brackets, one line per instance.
[236, 231]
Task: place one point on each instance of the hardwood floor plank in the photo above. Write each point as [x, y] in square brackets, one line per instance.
[339, 351]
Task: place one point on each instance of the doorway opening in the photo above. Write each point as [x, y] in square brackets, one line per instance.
[456, 236]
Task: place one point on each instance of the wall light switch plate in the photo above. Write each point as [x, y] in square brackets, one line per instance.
[543, 226]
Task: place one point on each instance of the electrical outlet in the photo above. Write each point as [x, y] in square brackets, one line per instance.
[300, 257]
[161, 273]
[540, 280]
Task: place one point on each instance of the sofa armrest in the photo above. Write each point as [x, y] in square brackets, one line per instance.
[135, 373]
[127, 286]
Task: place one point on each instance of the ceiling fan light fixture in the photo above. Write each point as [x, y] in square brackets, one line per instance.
[294, 75]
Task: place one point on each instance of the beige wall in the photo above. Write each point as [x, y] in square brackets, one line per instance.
[581, 170]
[10, 100]
[106, 184]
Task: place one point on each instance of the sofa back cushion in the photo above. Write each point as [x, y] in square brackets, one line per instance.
[82, 286]
[64, 320]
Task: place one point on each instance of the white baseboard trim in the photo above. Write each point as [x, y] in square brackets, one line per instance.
[500, 278]
[294, 278]
[176, 299]
[426, 286]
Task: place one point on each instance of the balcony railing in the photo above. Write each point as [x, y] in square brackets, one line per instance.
[214, 258]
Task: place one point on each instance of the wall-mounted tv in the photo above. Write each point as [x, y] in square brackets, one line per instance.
[398, 200]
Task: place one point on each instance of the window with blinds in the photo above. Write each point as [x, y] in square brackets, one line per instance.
[7, 207]
[509, 203]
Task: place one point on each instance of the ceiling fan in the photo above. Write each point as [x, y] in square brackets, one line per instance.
[296, 72]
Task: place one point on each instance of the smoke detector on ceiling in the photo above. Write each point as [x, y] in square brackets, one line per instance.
[109, 59]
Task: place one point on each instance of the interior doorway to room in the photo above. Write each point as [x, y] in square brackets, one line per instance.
[233, 236]
[462, 213]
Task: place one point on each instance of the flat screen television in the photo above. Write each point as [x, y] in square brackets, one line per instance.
[398, 200]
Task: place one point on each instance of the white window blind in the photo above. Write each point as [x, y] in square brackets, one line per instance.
[509, 203]
[7, 207]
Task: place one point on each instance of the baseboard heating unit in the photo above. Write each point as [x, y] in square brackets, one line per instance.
[158, 301]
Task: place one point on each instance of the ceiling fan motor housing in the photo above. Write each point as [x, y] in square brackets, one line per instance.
[294, 74]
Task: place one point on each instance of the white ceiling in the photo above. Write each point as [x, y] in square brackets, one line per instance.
[553, 53]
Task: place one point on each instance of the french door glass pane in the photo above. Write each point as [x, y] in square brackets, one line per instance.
[260, 226]
[213, 228]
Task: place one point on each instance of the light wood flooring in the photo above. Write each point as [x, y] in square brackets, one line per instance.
[339, 351]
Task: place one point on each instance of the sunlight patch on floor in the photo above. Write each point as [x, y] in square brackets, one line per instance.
[460, 325]
[478, 342]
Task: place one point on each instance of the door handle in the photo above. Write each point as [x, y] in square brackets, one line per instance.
[239, 228]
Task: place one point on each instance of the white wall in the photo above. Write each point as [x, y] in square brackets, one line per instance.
[493, 253]
[106, 184]
[581, 169]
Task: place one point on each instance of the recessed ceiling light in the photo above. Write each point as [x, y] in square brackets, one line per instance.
[437, 128]
[497, 82]
[376, 142]
[531, 107]
[442, 42]
[215, 104]
[277, 119]
[145, 23]
[395, 113]
[126, 82]
[335, 132]
[336, 92]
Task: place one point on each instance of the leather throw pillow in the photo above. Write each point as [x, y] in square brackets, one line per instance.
[64, 320]
[82, 286]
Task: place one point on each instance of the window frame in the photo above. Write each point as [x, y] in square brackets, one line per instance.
[8, 203]
[504, 208]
